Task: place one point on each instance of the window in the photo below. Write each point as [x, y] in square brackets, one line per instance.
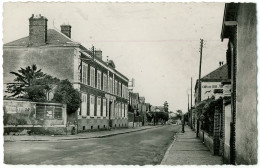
[116, 83]
[110, 85]
[122, 110]
[98, 79]
[126, 110]
[84, 104]
[119, 90]
[92, 76]
[84, 73]
[115, 109]
[104, 82]
[92, 105]
[104, 107]
[126, 90]
[123, 91]
[98, 106]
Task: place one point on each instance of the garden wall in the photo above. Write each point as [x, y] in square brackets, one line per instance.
[34, 117]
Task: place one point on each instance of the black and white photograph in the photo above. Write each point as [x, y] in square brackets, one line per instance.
[129, 83]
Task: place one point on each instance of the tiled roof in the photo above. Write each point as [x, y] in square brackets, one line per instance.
[54, 37]
[218, 74]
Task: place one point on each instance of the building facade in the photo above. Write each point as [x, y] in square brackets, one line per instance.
[211, 84]
[134, 115]
[239, 28]
[104, 90]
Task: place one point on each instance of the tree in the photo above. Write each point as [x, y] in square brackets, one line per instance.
[166, 106]
[179, 114]
[31, 83]
[66, 94]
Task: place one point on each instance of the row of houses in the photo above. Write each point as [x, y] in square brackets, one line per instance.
[103, 89]
[106, 100]
[226, 117]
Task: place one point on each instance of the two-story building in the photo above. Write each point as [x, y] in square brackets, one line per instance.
[104, 90]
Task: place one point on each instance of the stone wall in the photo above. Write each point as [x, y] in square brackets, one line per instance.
[25, 115]
[86, 124]
[55, 61]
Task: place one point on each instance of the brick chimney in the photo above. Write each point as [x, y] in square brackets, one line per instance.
[37, 30]
[66, 29]
[98, 54]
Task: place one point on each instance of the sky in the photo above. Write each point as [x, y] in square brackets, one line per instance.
[157, 44]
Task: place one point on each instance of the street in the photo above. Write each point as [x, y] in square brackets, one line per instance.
[138, 148]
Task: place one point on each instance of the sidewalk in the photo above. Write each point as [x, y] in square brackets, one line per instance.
[86, 135]
[186, 149]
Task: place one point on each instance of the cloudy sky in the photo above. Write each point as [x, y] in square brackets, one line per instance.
[157, 44]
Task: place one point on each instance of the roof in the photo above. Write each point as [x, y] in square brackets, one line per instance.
[54, 37]
[219, 74]
[229, 19]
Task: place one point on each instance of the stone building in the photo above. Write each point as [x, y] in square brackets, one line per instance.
[134, 115]
[104, 89]
[239, 28]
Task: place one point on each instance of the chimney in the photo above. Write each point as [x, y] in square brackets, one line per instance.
[98, 54]
[66, 29]
[37, 30]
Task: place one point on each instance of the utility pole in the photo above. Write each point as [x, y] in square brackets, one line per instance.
[188, 105]
[199, 83]
[191, 105]
[188, 102]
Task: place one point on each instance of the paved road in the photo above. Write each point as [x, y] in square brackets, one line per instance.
[139, 148]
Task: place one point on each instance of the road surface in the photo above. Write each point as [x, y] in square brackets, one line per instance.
[138, 148]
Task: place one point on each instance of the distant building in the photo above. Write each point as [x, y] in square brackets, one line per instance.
[104, 90]
[133, 101]
[239, 27]
[157, 109]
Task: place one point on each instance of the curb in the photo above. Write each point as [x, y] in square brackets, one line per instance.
[80, 138]
[164, 160]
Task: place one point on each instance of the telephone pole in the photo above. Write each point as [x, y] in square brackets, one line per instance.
[191, 105]
[188, 106]
[188, 102]
[199, 83]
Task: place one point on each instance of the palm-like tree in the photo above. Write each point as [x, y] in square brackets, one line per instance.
[27, 75]
[29, 79]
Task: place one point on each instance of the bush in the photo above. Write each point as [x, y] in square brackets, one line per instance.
[66, 94]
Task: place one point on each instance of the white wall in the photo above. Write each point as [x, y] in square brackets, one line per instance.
[207, 89]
